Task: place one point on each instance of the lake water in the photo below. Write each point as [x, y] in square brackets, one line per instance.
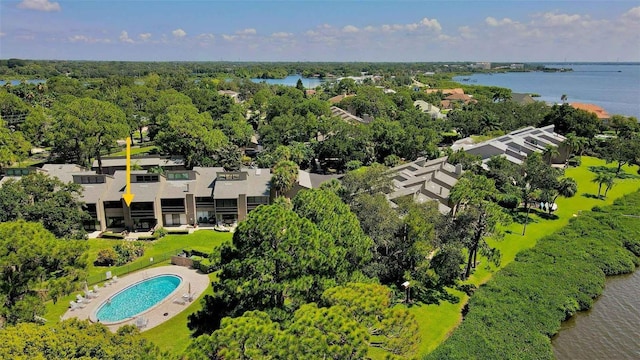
[614, 87]
[292, 80]
[610, 330]
[17, 82]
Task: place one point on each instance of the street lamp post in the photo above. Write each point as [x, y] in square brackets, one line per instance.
[405, 285]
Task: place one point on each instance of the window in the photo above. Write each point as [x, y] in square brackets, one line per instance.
[146, 178]
[257, 200]
[92, 179]
[172, 202]
[176, 219]
[178, 176]
[226, 203]
[228, 176]
[112, 204]
[17, 172]
[141, 206]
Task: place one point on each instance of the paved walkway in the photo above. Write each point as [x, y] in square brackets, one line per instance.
[162, 311]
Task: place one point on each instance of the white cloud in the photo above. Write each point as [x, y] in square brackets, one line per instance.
[87, 39]
[431, 24]
[281, 35]
[249, 31]
[228, 37]
[124, 37]
[179, 33]
[554, 19]
[2, 34]
[144, 36]
[493, 22]
[206, 37]
[39, 5]
[632, 14]
[350, 29]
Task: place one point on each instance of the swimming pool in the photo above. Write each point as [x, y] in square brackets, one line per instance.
[137, 298]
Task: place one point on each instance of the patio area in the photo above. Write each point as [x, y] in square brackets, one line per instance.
[192, 286]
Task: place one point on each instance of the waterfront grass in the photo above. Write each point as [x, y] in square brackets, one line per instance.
[433, 333]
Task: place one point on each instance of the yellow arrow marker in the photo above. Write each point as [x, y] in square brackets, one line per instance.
[128, 196]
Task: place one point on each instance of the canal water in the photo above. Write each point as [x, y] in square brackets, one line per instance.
[610, 330]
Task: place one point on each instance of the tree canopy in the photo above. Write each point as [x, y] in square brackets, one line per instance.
[29, 257]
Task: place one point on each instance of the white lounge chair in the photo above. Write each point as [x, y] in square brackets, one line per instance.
[179, 301]
[141, 322]
[96, 289]
[114, 278]
[82, 300]
[188, 297]
[89, 294]
[73, 305]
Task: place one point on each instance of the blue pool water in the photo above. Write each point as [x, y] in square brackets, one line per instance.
[137, 298]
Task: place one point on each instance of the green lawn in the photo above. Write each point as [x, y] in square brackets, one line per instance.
[134, 151]
[437, 321]
[204, 240]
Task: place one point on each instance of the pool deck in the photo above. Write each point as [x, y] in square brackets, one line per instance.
[161, 312]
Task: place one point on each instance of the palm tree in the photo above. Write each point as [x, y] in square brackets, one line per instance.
[567, 187]
[574, 143]
[602, 178]
[550, 152]
[564, 98]
[285, 174]
[610, 182]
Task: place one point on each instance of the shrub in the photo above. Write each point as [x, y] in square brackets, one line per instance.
[178, 232]
[148, 237]
[206, 266]
[106, 257]
[128, 251]
[111, 235]
[160, 233]
[196, 261]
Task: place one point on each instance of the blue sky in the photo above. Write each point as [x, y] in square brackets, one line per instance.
[321, 30]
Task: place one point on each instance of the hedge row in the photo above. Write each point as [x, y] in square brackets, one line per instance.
[514, 315]
[111, 235]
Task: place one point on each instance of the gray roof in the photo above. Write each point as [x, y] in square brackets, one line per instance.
[345, 115]
[206, 180]
[144, 192]
[65, 172]
[258, 183]
[141, 161]
[513, 145]
[93, 192]
[425, 180]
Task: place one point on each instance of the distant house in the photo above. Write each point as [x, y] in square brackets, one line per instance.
[310, 92]
[232, 94]
[427, 108]
[450, 101]
[349, 117]
[522, 99]
[336, 99]
[517, 145]
[445, 91]
[599, 111]
[425, 180]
